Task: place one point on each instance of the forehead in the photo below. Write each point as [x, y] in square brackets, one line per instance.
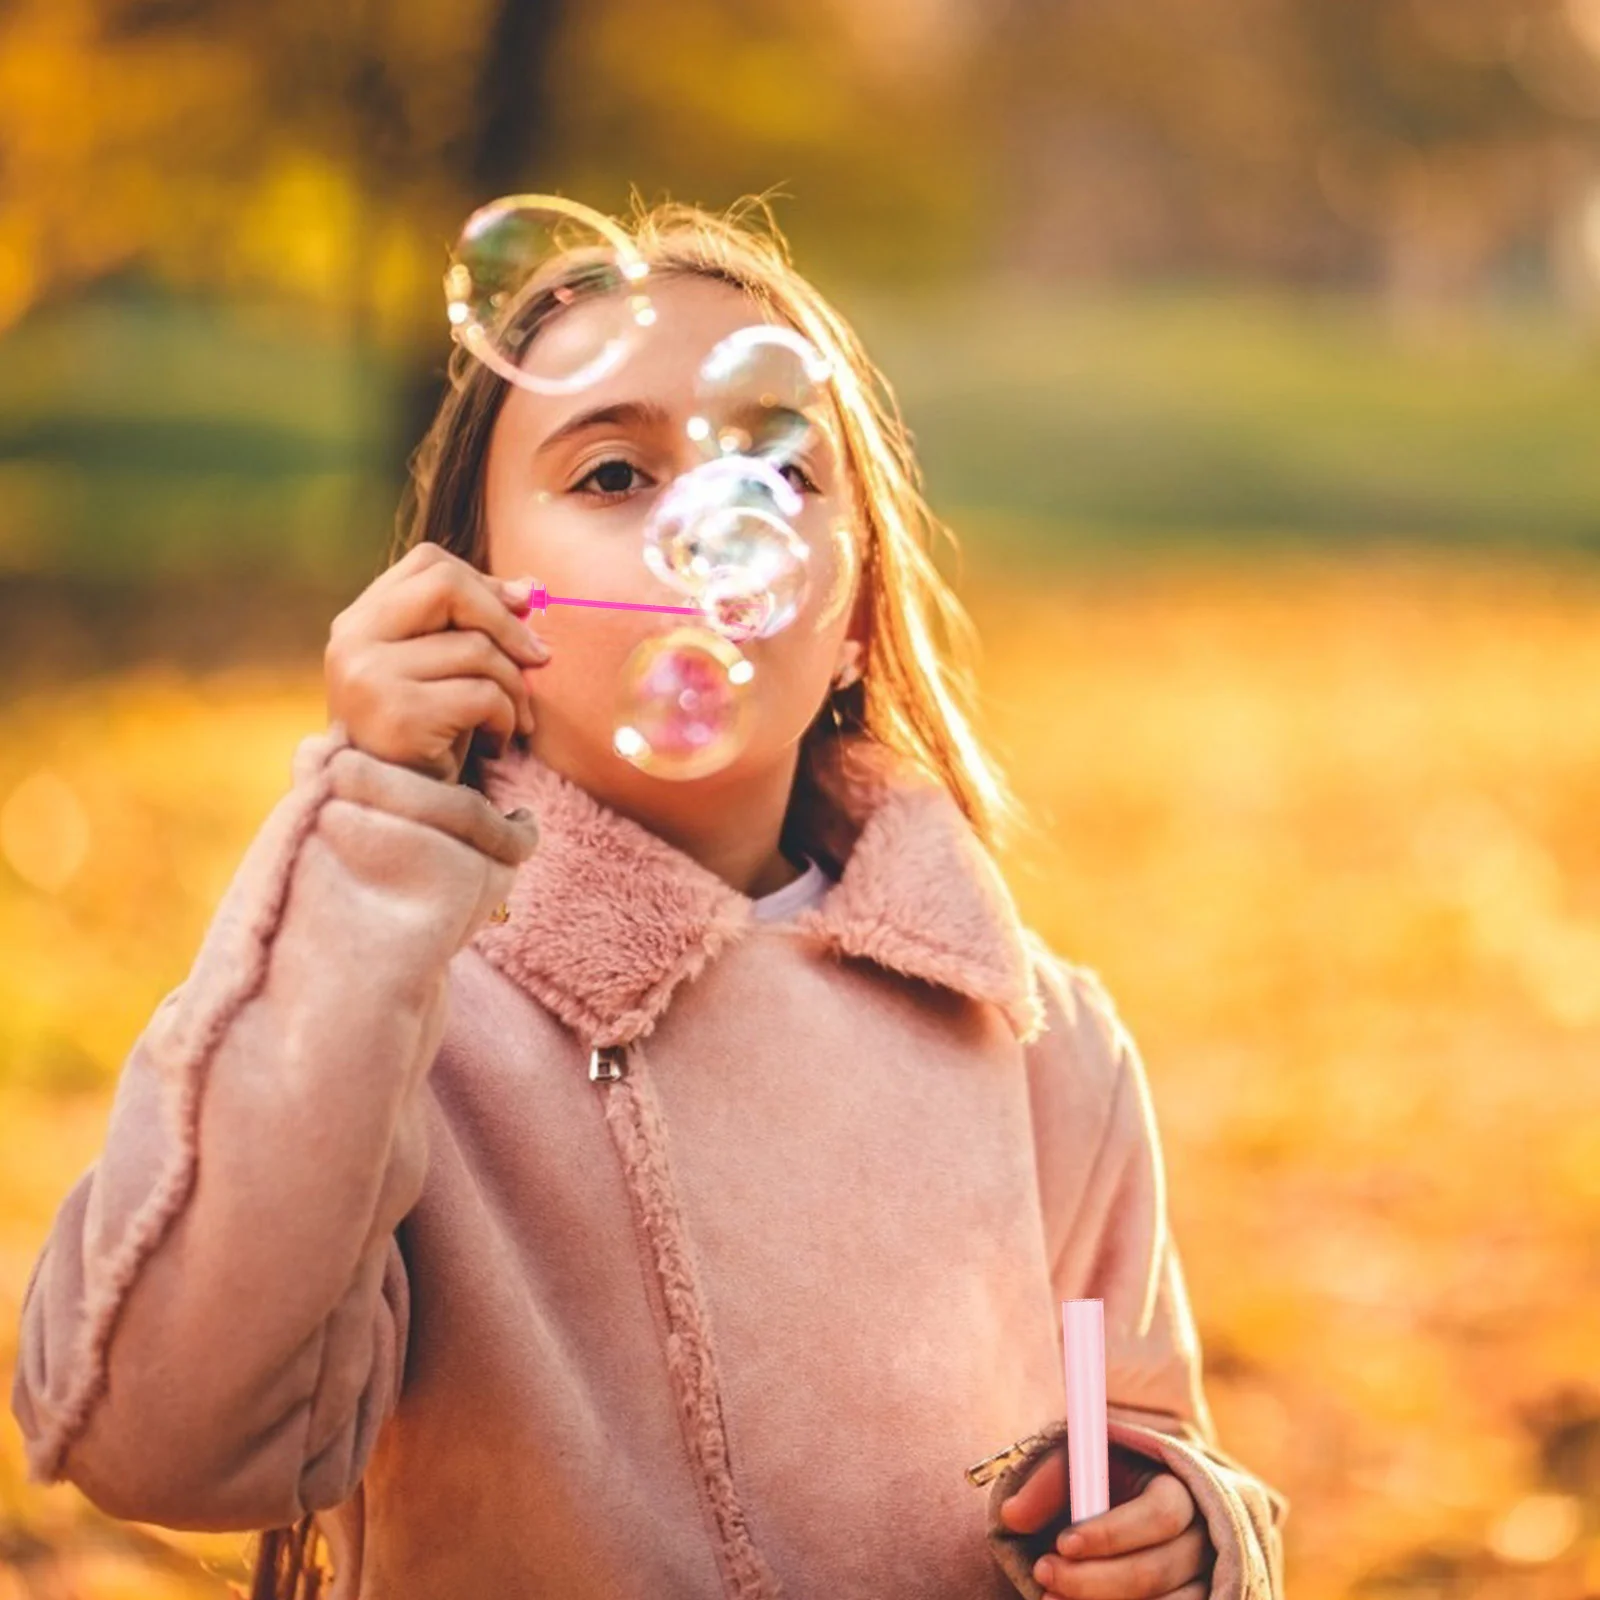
[693, 313]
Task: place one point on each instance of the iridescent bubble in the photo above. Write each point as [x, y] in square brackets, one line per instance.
[743, 543]
[762, 391]
[762, 596]
[720, 535]
[523, 256]
[675, 548]
[683, 704]
[737, 613]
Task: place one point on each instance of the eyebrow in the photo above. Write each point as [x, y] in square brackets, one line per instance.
[636, 413]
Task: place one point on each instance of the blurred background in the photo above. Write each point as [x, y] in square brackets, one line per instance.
[1252, 350]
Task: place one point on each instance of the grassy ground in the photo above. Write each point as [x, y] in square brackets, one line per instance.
[1088, 420]
[1325, 827]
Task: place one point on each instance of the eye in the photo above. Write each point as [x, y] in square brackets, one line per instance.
[805, 485]
[612, 479]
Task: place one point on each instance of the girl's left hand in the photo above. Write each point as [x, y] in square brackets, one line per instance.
[1151, 1546]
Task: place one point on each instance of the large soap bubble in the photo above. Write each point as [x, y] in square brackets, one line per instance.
[720, 533]
[763, 392]
[683, 704]
[505, 263]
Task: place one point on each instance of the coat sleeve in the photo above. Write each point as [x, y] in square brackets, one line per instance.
[215, 1328]
[1107, 1231]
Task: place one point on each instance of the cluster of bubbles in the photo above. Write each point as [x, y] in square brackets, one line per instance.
[722, 534]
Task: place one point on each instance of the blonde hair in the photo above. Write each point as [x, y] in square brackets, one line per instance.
[917, 690]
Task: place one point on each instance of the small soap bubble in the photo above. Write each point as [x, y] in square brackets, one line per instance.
[735, 612]
[683, 704]
[762, 391]
[523, 256]
[760, 597]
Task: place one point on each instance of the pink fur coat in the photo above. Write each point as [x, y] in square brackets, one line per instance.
[622, 1244]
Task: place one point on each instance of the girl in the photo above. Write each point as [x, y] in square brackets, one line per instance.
[554, 1181]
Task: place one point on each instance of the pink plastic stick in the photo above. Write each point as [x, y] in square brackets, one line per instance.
[1083, 1326]
[624, 605]
[541, 599]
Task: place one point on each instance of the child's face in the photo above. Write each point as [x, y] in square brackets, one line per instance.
[580, 533]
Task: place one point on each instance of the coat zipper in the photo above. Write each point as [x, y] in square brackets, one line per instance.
[632, 1113]
[990, 1468]
[607, 1061]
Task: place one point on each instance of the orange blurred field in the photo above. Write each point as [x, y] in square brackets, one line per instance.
[1327, 830]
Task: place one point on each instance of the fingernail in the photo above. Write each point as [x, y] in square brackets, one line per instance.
[1071, 1544]
[1043, 1572]
[518, 591]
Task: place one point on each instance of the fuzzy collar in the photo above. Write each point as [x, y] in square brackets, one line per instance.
[607, 918]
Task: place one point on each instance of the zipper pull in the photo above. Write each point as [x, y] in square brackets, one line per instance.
[608, 1061]
[987, 1470]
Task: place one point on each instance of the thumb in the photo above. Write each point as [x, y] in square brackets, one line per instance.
[1042, 1497]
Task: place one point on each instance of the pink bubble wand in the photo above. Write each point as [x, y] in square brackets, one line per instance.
[1083, 1327]
[540, 598]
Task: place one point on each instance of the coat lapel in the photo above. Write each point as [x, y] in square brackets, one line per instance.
[607, 919]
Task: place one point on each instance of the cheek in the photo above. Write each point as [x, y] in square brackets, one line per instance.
[580, 554]
[793, 667]
[589, 651]
[835, 566]
[795, 664]
[573, 549]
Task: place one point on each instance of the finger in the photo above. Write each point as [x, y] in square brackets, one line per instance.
[1130, 1471]
[428, 551]
[456, 654]
[453, 704]
[420, 555]
[370, 615]
[1139, 1575]
[451, 594]
[425, 552]
[516, 592]
[1042, 1497]
[1159, 1512]
[428, 724]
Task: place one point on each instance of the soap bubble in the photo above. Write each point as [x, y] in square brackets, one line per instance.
[676, 547]
[722, 532]
[683, 705]
[719, 534]
[762, 391]
[495, 277]
[736, 612]
[759, 598]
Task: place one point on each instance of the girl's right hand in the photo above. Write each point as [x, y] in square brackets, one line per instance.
[429, 651]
